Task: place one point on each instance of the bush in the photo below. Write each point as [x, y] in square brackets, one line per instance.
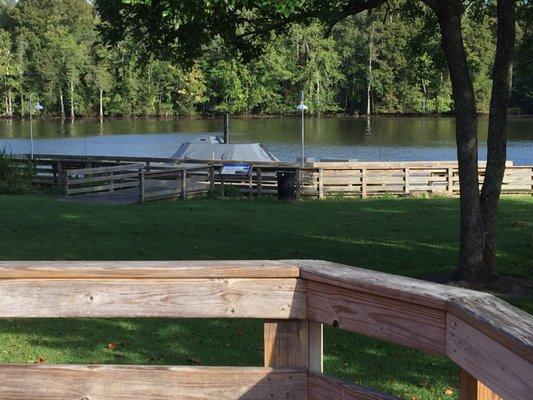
[16, 175]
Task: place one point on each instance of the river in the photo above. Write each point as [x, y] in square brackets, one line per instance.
[375, 139]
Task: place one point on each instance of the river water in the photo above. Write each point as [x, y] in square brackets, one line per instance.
[374, 139]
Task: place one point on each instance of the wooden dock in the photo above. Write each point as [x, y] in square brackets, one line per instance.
[319, 180]
[490, 340]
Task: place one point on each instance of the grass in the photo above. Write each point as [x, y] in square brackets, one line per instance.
[410, 237]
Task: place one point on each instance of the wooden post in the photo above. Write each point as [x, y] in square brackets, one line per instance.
[60, 173]
[450, 181]
[299, 180]
[316, 347]
[320, 183]
[406, 186]
[472, 389]
[259, 182]
[363, 183]
[141, 186]
[111, 182]
[222, 186]
[286, 344]
[148, 166]
[250, 185]
[211, 179]
[183, 184]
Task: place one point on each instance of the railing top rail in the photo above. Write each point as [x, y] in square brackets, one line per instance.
[146, 269]
[95, 170]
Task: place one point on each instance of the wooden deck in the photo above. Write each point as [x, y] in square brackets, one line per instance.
[132, 195]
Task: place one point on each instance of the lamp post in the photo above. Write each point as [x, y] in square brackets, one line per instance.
[38, 107]
[302, 107]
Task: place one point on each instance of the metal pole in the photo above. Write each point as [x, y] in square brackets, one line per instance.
[303, 130]
[31, 128]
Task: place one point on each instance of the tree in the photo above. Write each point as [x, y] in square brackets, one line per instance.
[167, 29]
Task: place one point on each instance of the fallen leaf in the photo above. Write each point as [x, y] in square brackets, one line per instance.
[448, 392]
[111, 346]
[39, 360]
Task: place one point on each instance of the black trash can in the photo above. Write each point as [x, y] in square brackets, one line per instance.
[287, 185]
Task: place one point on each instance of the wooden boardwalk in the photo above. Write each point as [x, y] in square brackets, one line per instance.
[132, 195]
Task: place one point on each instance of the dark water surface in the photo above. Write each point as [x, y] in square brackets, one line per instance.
[380, 138]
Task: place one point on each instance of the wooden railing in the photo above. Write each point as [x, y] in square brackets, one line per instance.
[102, 179]
[490, 340]
[320, 180]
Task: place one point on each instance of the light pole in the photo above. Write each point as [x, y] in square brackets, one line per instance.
[302, 107]
[38, 107]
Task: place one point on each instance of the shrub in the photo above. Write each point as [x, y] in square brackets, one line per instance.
[15, 175]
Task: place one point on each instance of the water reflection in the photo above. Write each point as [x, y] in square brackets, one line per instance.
[375, 138]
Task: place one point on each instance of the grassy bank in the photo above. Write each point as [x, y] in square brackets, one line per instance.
[412, 237]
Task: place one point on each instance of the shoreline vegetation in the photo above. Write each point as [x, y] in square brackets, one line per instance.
[53, 52]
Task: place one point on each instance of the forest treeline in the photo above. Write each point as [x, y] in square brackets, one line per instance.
[383, 62]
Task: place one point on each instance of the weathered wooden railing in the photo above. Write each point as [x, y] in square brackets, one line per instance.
[102, 179]
[490, 340]
[321, 179]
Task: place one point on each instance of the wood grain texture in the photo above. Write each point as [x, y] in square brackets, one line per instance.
[286, 344]
[409, 324]
[472, 389]
[323, 387]
[504, 323]
[147, 269]
[187, 298]
[387, 285]
[113, 382]
[316, 347]
[506, 373]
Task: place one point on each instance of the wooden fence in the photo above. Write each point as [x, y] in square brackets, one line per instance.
[491, 341]
[321, 179]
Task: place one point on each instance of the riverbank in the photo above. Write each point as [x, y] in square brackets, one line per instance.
[412, 237]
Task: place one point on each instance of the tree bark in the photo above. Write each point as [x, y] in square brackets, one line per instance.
[101, 105]
[502, 75]
[72, 115]
[471, 240]
[62, 102]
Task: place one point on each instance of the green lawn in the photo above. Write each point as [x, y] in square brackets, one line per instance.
[404, 236]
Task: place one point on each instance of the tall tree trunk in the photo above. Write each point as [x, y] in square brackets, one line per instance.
[369, 79]
[62, 102]
[472, 240]
[72, 115]
[502, 75]
[101, 105]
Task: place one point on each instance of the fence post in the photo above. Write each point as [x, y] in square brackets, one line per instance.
[141, 185]
[250, 184]
[321, 183]
[472, 389]
[363, 183]
[183, 184]
[111, 182]
[59, 173]
[450, 180]
[211, 179]
[406, 187]
[259, 182]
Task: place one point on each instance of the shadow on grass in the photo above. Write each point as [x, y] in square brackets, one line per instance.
[383, 366]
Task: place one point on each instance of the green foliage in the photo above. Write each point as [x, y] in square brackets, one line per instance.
[15, 175]
[54, 49]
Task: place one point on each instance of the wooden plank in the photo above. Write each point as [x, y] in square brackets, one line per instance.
[286, 344]
[503, 371]
[102, 188]
[323, 387]
[412, 325]
[101, 170]
[363, 184]
[316, 346]
[104, 178]
[178, 298]
[118, 382]
[393, 286]
[320, 183]
[511, 327]
[472, 389]
[147, 269]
